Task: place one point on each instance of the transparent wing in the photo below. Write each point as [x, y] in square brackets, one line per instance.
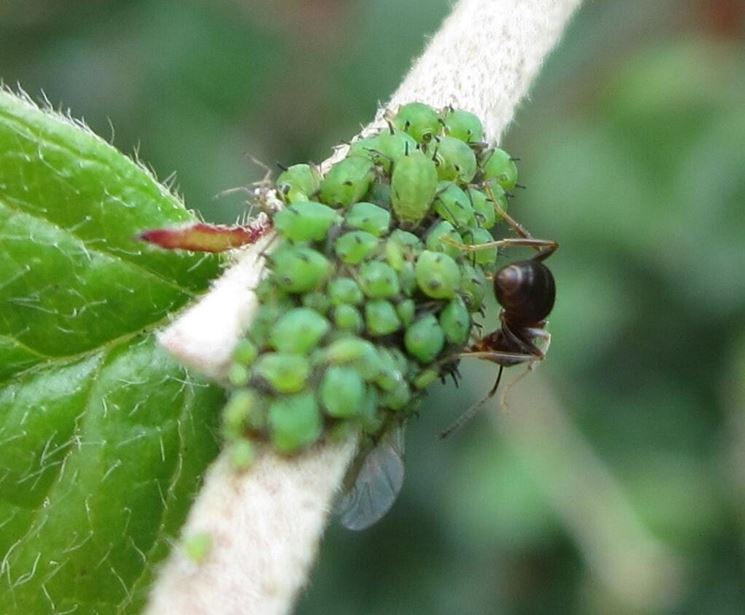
[378, 482]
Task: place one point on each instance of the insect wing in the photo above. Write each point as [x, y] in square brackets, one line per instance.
[378, 482]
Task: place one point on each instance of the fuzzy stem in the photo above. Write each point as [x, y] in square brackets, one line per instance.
[267, 522]
[264, 528]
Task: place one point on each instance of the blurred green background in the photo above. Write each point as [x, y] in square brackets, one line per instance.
[614, 481]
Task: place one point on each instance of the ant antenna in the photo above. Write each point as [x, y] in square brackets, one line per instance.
[471, 412]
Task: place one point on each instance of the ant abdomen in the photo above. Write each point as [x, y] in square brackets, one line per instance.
[526, 290]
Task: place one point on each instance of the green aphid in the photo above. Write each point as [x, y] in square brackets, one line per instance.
[484, 211]
[357, 353]
[463, 125]
[349, 350]
[499, 203]
[392, 145]
[425, 378]
[299, 331]
[394, 254]
[198, 546]
[455, 160]
[239, 375]
[397, 398]
[381, 318]
[390, 376]
[285, 373]
[356, 246]
[379, 194]
[299, 269]
[486, 256]
[318, 301]
[455, 321]
[473, 287]
[342, 392]
[419, 120]
[401, 247]
[295, 422]
[267, 291]
[241, 454]
[345, 290]
[242, 403]
[424, 339]
[384, 148]
[369, 365]
[245, 352]
[347, 181]
[371, 419]
[406, 311]
[364, 148]
[401, 360]
[348, 318]
[452, 204]
[413, 188]
[266, 316]
[378, 280]
[437, 275]
[407, 278]
[300, 182]
[498, 165]
[368, 217]
[305, 221]
[410, 243]
[444, 230]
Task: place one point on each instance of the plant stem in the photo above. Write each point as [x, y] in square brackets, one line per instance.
[267, 522]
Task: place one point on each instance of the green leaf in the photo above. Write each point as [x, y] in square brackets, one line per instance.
[103, 437]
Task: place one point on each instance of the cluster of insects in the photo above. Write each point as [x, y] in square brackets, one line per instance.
[377, 271]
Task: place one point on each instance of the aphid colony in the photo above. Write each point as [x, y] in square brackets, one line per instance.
[370, 292]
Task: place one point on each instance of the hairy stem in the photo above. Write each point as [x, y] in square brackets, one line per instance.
[267, 522]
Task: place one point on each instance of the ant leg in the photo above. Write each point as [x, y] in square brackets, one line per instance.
[527, 345]
[542, 335]
[516, 226]
[501, 357]
[471, 412]
[545, 246]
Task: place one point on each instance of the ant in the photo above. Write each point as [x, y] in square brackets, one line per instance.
[526, 290]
